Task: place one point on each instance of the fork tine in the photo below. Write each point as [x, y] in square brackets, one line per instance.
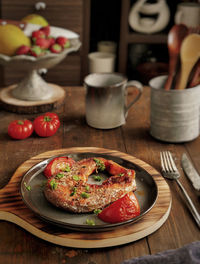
[169, 168]
[162, 161]
[172, 161]
[166, 161]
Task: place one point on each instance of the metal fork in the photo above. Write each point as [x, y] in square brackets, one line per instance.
[170, 171]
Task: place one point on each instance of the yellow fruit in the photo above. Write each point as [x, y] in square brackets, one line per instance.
[11, 38]
[35, 19]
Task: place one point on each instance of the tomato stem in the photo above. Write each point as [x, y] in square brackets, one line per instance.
[47, 118]
[20, 122]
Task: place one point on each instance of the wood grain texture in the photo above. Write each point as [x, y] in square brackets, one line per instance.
[19, 246]
[15, 105]
[13, 209]
[67, 14]
[140, 143]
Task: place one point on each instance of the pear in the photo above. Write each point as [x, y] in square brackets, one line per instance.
[11, 38]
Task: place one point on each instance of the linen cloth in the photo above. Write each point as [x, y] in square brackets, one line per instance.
[189, 254]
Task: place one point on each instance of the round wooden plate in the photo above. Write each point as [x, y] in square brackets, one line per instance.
[13, 209]
[12, 104]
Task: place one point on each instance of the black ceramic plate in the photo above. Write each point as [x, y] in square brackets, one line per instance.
[34, 198]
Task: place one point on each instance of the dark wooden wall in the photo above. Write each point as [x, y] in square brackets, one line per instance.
[70, 14]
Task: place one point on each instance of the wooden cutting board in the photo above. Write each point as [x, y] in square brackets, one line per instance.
[13, 209]
[12, 104]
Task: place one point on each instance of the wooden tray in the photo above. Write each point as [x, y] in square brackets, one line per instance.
[13, 209]
[15, 105]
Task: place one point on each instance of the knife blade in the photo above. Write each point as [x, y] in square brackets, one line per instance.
[190, 171]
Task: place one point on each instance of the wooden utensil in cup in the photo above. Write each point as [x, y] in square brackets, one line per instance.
[190, 53]
[195, 76]
[175, 38]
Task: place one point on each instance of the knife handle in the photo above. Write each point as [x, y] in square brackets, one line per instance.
[190, 204]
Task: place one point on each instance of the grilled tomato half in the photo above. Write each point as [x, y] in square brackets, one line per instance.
[57, 165]
[121, 210]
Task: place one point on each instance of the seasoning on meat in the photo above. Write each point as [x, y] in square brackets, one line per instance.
[71, 191]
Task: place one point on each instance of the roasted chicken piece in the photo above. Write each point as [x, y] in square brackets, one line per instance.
[71, 191]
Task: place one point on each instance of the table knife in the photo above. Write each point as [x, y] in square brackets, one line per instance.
[190, 171]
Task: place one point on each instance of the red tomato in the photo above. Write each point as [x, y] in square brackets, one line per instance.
[20, 129]
[113, 168]
[46, 125]
[57, 165]
[121, 210]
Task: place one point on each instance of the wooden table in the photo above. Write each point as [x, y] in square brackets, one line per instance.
[19, 246]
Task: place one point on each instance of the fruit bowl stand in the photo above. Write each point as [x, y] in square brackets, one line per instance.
[33, 94]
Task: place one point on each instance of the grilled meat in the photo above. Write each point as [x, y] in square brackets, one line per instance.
[71, 191]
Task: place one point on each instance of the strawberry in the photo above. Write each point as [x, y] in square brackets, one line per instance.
[51, 40]
[22, 50]
[43, 43]
[56, 48]
[64, 42]
[46, 30]
[36, 51]
[37, 34]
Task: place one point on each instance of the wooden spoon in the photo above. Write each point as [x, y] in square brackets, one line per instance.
[175, 37]
[195, 79]
[189, 54]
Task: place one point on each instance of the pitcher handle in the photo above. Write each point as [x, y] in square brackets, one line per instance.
[139, 87]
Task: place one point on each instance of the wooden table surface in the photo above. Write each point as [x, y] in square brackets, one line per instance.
[19, 246]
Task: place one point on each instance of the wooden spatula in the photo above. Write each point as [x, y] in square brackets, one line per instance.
[175, 37]
[195, 79]
[189, 55]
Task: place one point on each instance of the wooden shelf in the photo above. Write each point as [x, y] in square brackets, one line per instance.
[127, 37]
[149, 39]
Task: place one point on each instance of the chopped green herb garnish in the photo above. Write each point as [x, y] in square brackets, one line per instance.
[97, 211]
[73, 192]
[28, 187]
[53, 184]
[97, 178]
[75, 177]
[90, 222]
[59, 175]
[85, 195]
[87, 188]
[67, 168]
[100, 164]
[121, 174]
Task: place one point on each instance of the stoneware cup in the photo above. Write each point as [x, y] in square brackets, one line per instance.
[107, 46]
[101, 62]
[106, 99]
[175, 114]
[188, 14]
